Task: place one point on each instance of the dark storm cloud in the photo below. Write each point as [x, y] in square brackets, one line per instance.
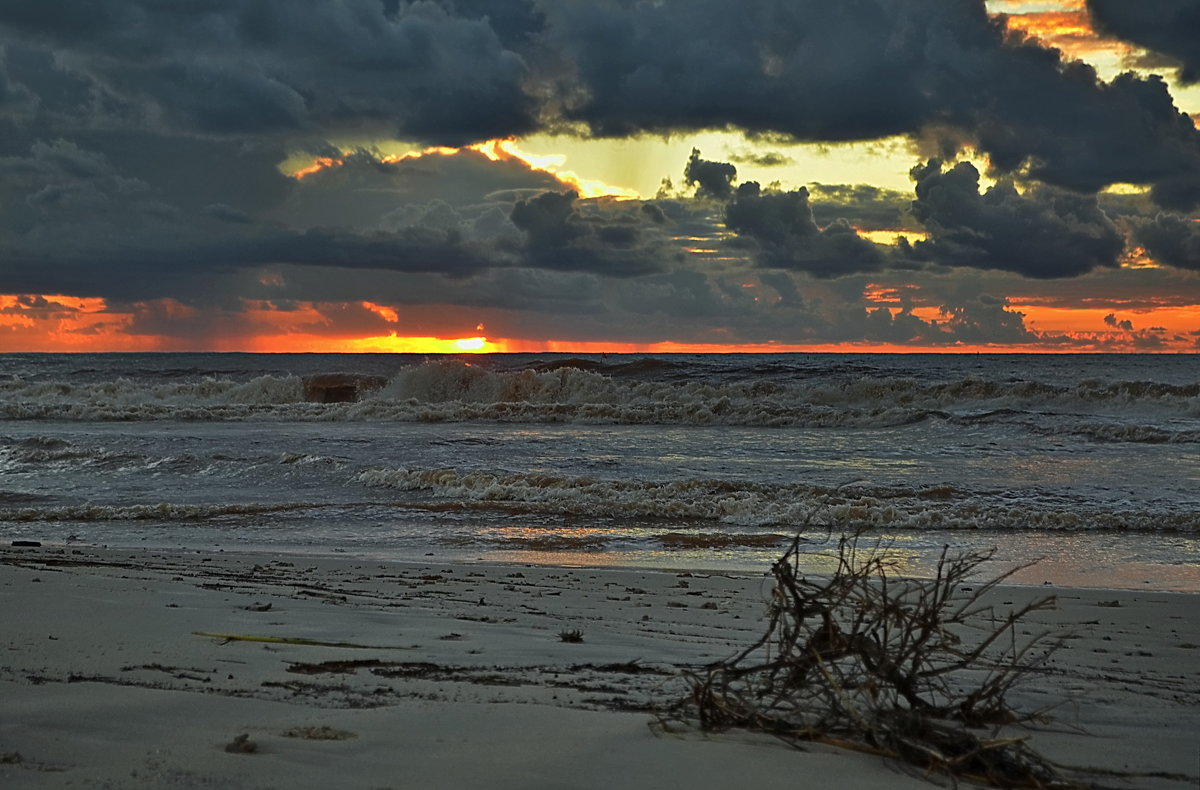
[140, 144]
[678, 295]
[1169, 27]
[515, 22]
[1169, 239]
[227, 213]
[547, 219]
[654, 213]
[821, 71]
[408, 250]
[536, 290]
[559, 236]
[363, 189]
[973, 322]
[185, 170]
[526, 293]
[79, 224]
[230, 67]
[782, 225]
[65, 197]
[711, 179]
[762, 159]
[1062, 126]
[984, 319]
[813, 70]
[460, 71]
[16, 100]
[967, 313]
[1043, 233]
[167, 270]
[1111, 320]
[784, 287]
[76, 224]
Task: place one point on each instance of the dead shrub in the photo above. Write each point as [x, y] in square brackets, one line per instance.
[914, 669]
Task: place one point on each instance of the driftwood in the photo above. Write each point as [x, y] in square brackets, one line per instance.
[914, 669]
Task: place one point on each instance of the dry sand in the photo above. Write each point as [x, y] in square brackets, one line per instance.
[466, 682]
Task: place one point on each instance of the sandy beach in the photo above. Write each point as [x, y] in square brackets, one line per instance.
[131, 669]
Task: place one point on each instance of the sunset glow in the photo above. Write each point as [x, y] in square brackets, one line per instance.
[1068, 31]
[501, 150]
[1005, 175]
[52, 323]
[393, 344]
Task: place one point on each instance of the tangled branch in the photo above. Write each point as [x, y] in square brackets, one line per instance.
[908, 668]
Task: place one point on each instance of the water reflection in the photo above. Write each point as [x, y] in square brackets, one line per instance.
[1114, 561]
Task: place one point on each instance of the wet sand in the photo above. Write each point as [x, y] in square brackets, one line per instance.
[131, 669]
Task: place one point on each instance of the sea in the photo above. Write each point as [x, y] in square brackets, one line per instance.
[1074, 470]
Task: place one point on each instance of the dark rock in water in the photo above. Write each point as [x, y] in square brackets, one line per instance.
[241, 745]
[339, 387]
[33, 544]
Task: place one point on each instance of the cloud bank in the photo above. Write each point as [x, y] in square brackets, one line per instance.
[142, 144]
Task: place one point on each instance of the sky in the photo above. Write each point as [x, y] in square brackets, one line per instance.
[600, 175]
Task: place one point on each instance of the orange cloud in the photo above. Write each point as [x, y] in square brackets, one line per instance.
[53, 322]
[318, 164]
[876, 295]
[383, 311]
[49, 323]
[861, 347]
[1165, 328]
[1069, 30]
[1171, 319]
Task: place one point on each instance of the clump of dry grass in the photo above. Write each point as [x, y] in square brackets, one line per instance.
[913, 669]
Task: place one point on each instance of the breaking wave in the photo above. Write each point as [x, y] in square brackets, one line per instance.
[644, 392]
[760, 505]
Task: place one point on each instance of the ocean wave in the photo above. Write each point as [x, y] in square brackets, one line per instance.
[941, 507]
[1137, 434]
[648, 392]
[163, 511]
[1065, 426]
[304, 459]
[50, 451]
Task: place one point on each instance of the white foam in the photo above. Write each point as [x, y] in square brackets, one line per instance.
[454, 391]
[746, 504]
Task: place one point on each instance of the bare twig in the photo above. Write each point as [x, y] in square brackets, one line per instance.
[899, 666]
